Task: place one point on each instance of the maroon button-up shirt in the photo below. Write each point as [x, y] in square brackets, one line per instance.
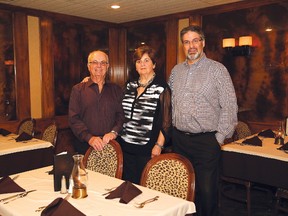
[92, 113]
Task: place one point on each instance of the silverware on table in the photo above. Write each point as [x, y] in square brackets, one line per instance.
[142, 204]
[14, 197]
[109, 190]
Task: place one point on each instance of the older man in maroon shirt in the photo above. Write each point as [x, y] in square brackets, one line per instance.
[95, 110]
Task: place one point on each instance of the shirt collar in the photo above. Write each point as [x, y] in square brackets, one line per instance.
[90, 82]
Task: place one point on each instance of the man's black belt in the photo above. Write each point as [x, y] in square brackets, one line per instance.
[193, 134]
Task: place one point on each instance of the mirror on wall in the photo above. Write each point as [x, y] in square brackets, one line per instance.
[260, 77]
[72, 45]
[7, 68]
[153, 35]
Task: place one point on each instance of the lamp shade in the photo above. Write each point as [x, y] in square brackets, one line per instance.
[228, 42]
[245, 41]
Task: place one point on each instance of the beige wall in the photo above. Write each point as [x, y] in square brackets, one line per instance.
[182, 23]
[34, 66]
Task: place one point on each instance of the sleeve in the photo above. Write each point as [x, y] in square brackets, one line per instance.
[76, 124]
[166, 113]
[119, 117]
[229, 108]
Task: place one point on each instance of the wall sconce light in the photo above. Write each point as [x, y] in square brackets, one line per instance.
[228, 43]
[244, 48]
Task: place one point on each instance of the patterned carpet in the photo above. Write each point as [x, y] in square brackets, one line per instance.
[262, 201]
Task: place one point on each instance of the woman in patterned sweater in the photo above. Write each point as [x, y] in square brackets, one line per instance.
[147, 108]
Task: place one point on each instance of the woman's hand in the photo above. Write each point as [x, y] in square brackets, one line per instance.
[109, 136]
[156, 151]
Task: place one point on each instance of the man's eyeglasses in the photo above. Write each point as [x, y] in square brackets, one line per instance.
[96, 63]
[195, 41]
[146, 60]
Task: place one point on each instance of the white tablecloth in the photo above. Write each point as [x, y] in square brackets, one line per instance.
[268, 149]
[8, 145]
[93, 205]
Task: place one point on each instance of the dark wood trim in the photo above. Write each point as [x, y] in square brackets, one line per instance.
[122, 56]
[236, 6]
[206, 11]
[117, 55]
[47, 69]
[171, 45]
[256, 127]
[22, 66]
[62, 17]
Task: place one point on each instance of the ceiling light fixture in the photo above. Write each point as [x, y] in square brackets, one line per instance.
[115, 6]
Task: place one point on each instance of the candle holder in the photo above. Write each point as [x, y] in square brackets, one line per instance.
[280, 134]
[80, 178]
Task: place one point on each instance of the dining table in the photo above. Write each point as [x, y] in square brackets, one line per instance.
[264, 164]
[95, 204]
[24, 155]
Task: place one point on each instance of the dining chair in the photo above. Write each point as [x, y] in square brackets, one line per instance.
[27, 125]
[108, 161]
[50, 134]
[242, 131]
[170, 173]
[281, 195]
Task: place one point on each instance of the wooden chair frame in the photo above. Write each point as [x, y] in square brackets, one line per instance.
[176, 157]
[119, 153]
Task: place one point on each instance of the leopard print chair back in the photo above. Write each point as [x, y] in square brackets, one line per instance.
[109, 161]
[170, 173]
[27, 126]
[242, 130]
[50, 134]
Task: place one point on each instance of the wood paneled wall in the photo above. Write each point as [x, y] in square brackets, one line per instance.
[48, 106]
[117, 51]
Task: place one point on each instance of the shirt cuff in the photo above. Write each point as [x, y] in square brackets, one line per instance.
[220, 138]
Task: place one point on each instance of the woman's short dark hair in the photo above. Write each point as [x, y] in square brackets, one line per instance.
[192, 28]
[140, 51]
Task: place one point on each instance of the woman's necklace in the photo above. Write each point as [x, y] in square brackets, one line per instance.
[146, 84]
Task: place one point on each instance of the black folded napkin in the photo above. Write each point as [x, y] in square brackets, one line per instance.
[7, 185]
[255, 141]
[23, 137]
[267, 133]
[60, 207]
[126, 192]
[284, 147]
[4, 132]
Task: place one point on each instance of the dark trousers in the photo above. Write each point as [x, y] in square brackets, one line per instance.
[133, 166]
[204, 152]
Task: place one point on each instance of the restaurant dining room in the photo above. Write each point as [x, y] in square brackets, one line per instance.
[44, 47]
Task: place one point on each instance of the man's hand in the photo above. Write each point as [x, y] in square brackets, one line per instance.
[97, 143]
[85, 79]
